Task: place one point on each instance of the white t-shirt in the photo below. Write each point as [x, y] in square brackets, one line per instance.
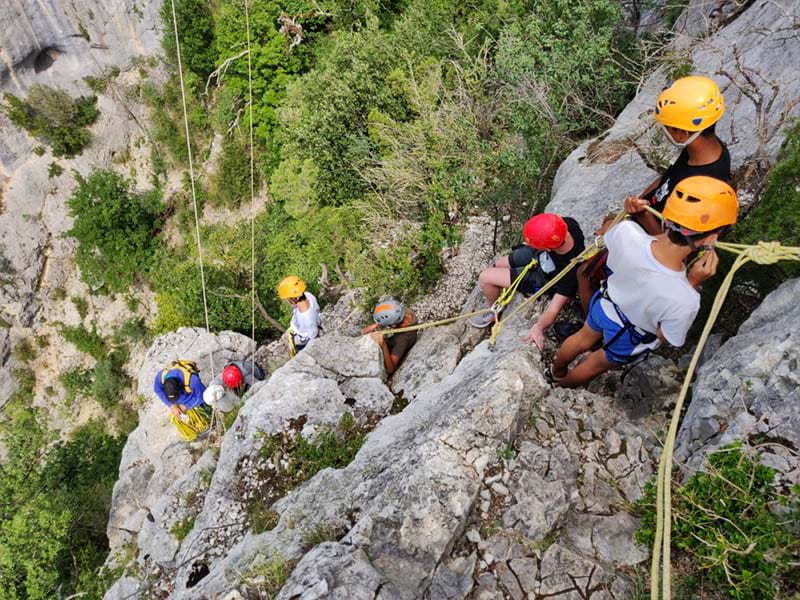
[305, 325]
[647, 292]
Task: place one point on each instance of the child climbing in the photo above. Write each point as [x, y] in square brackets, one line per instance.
[688, 111]
[551, 242]
[227, 388]
[649, 296]
[305, 325]
[179, 387]
[392, 314]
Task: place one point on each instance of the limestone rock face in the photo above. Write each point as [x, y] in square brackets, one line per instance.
[59, 43]
[750, 389]
[154, 456]
[741, 57]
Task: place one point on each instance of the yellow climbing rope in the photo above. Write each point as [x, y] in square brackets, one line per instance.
[583, 256]
[197, 422]
[763, 253]
[502, 300]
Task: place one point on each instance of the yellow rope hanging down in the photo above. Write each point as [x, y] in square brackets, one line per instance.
[763, 253]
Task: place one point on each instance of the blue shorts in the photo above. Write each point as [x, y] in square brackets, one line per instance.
[620, 348]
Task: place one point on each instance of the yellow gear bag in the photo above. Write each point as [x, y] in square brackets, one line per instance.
[186, 367]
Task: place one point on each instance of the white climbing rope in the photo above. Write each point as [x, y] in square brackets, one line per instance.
[252, 196]
[191, 176]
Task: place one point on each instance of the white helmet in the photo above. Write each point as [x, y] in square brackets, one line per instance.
[388, 313]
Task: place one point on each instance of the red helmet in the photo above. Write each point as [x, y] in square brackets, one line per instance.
[545, 231]
[232, 376]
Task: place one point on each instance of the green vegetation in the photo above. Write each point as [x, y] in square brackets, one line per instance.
[332, 448]
[116, 230]
[729, 541]
[24, 351]
[182, 528]
[270, 575]
[81, 305]
[774, 218]
[77, 383]
[54, 500]
[88, 342]
[54, 170]
[52, 115]
[319, 532]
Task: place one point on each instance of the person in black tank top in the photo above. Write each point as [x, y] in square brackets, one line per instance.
[688, 111]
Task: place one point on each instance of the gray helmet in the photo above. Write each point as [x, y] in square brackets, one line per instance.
[389, 312]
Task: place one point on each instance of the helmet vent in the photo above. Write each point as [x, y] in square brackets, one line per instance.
[693, 199]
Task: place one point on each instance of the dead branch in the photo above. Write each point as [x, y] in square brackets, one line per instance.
[220, 71]
[290, 26]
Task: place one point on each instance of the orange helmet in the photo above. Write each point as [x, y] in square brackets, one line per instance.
[691, 103]
[291, 287]
[700, 204]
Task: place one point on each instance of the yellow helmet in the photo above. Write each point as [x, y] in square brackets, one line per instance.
[291, 287]
[700, 204]
[691, 103]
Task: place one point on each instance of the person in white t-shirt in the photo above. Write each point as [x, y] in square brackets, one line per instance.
[305, 324]
[649, 297]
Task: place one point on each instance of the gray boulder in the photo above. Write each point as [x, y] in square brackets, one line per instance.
[760, 95]
[750, 390]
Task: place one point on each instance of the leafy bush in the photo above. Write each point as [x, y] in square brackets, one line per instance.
[24, 351]
[182, 528]
[52, 115]
[724, 530]
[115, 229]
[230, 185]
[81, 305]
[54, 170]
[88, 342]
[77, 383]
[109, 381]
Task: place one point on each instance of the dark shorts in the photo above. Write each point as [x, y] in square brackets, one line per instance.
[534, 278]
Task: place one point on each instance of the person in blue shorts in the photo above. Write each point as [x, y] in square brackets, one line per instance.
[649, 297]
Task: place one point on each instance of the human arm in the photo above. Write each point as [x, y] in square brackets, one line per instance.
[196, 396]
[369, 328]
[536, 332]
[636, 208]
[704, 268]
[158, 388]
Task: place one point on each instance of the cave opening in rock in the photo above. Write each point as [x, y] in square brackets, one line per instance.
[199, 571]
[45, 58]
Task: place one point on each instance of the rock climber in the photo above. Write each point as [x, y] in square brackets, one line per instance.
[688, 111]
[179, 387]
[550, 240]
[387, 315]
[650, 296]
[305, 325]
[227, 388]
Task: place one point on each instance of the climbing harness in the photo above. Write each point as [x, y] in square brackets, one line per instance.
[583, 256]
[290, 340]
[637, 334]
[186, 367]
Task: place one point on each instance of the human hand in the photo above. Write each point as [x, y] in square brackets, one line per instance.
[369, 328]
[704, 268]
[634, 205]
[378, 338]
[535, 335]
[175, 409]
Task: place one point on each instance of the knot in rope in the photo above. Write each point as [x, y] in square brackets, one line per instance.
[766, 253]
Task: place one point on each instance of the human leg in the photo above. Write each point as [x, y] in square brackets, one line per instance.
[593, 365]
[492, 280]
[572, 347]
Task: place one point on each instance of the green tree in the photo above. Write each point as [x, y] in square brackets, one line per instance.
[196, 33]
[116, 230]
